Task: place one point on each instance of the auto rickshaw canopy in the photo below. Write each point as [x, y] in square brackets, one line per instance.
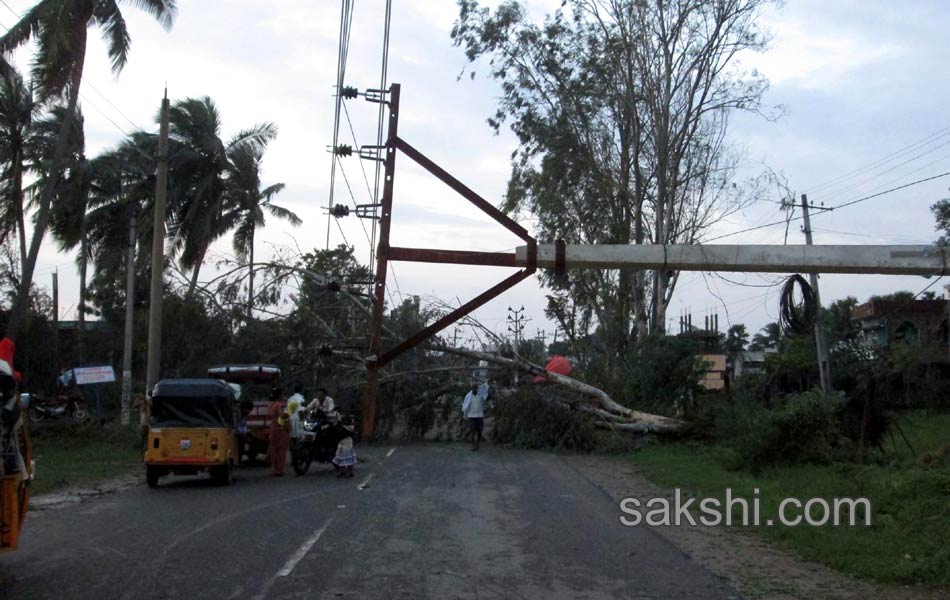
[193, 403]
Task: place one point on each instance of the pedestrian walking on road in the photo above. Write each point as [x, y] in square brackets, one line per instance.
[473, 409]
[279, 433]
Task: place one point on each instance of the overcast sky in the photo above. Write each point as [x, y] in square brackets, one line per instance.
[860, 80]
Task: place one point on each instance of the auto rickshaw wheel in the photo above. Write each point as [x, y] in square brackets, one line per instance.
[151, 477]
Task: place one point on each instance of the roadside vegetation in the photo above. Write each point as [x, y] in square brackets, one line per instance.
[80, 456]
[909, 493]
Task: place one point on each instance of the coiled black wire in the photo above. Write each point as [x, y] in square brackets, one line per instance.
[797, 318]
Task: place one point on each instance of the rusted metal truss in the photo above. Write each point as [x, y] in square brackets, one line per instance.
[378, 356]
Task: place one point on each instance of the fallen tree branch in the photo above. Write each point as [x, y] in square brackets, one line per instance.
[621, 417]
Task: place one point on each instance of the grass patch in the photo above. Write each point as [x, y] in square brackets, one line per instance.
[907, 543]
[68, 455]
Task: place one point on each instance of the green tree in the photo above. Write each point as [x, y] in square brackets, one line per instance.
[837, 321]
[737, 338]
[248, 204]
[67, 217]
[60, 30]
[199, 164]
[769, 336]
[621, 109]
[17, 110]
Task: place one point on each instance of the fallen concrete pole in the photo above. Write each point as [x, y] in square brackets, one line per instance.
[885, 260]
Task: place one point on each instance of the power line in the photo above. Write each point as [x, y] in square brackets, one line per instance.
[346, 22]
[861, 170]
[383, 76]
[900, 187]
[831, 208]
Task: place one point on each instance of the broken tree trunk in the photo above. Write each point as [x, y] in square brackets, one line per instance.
[591, 400]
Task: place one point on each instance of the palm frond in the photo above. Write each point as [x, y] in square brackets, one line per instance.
[163, 11]
[283, 213]
[115, 33]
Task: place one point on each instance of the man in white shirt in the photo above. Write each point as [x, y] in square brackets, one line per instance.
[322, 402]
[473, 409]
[294, 404]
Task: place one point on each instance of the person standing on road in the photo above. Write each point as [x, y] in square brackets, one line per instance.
[294, 406]
[473, 409]
[279, 433]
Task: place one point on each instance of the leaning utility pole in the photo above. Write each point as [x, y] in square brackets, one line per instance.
[158, 257]
[129, 322]
[824, 365]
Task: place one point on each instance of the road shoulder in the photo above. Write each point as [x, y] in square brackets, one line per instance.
[753, 566]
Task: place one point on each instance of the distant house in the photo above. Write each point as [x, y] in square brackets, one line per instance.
[716, 371]
[883, 322]
[752, 362]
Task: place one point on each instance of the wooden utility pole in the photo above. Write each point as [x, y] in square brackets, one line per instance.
[129, 322]
[824, 365]
[158, 257]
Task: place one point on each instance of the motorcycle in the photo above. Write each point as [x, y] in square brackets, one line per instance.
[318, 442]
[53, 407]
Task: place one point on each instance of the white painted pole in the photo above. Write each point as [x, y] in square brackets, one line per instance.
[885, 260]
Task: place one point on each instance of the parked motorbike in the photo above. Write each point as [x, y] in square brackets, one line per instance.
[318, 441]
[53, 407]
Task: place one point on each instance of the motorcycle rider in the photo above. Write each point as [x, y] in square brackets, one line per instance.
[321, 402]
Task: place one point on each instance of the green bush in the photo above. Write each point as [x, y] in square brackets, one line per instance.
[660, 374]
[526, 420]
[806, 429]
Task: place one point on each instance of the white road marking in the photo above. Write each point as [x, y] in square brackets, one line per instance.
[363, 485]
[390, 453]
[292, 561]
[302, 550]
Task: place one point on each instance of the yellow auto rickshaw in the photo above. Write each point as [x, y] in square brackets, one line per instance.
[192, 429]
[16, 472]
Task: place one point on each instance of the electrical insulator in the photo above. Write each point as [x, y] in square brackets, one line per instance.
[339, 211]
[343, 150]
[349, 92]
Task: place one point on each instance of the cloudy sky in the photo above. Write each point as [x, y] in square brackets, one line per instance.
[861, 81]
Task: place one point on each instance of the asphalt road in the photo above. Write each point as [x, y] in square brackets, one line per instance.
[434, 521]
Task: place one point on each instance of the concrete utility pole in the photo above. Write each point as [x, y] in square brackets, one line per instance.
[55, 316]
[158, 257]
[883, 260]
[129, 322]
[824, 364]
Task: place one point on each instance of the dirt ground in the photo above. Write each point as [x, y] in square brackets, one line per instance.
[750, 564]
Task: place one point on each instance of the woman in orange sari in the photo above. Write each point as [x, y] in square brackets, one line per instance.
[279, 433]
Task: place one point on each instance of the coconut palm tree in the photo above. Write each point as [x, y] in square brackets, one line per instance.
[17, 109]
[248, 204]
[71, 184]
[60, 29]
[198, 160]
